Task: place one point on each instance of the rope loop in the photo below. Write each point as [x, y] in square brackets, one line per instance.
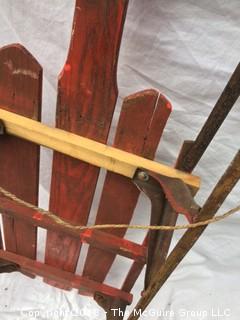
[60, 221]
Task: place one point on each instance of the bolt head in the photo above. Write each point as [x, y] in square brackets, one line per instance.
[143, 176]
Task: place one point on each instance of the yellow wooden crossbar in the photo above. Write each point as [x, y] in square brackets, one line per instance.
[87, 150]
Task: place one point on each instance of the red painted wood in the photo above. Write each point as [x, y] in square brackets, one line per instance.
[115, 245]
[20, 92]
[87, 95]
[134, 272]
[1, 240]
[63, 277]
[139, 130]
[96, 238]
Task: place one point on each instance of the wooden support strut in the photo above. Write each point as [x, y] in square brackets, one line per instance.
[90, 151]
[191, 153]
[96, 238]
[211, 206]
[37, 268]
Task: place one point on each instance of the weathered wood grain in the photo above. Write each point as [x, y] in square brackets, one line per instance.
[20, 92]
[87, 94]
[134, 271]
[96, 238]
[37, 268]
[142, 120]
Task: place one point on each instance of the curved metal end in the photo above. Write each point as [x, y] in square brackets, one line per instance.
[175, 190]
[160, 189]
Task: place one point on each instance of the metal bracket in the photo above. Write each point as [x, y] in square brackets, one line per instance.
[160, 189]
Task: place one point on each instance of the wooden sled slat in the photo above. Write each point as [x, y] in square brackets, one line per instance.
[142, 120]
[20, 92]
[134, 272]
[87, 95]
[96, 238]
[37, 268]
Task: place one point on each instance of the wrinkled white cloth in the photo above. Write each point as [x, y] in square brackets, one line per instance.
[187, 49]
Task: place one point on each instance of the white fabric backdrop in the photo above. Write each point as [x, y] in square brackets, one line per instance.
[187, 49]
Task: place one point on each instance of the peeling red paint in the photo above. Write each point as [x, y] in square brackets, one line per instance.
[67, 67]
[38, 216]
[86, 234]
[169, 106]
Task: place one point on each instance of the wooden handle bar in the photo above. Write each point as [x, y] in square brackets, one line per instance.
[87, 150]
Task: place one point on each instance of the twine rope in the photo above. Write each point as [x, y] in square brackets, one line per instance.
[62, 222]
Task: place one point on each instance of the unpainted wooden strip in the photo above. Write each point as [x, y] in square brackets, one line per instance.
[88, 150]
[20, 92]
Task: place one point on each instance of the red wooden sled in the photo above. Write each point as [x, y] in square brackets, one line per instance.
[87, 94]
